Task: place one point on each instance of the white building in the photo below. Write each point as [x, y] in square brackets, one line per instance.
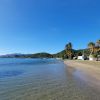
[81, 57]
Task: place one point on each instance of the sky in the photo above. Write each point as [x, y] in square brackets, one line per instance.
[31, 26]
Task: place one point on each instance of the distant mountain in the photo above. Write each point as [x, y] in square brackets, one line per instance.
[59, 54]
[11, 55]
[37, 55]
[46, 55]
[41, 55]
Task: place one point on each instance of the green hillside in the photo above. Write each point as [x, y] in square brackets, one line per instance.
[75, 53]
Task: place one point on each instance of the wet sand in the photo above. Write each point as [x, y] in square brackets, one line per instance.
[88, 71]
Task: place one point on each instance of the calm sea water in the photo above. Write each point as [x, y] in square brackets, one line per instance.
[41, 79]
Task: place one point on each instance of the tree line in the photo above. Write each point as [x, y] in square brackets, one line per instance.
[93, 49]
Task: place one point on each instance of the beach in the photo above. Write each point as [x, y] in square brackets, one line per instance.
[88, 71]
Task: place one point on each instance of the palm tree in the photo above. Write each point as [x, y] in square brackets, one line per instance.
[98, 43]
[68, 49]
[69, 46]
[98, 48]
[91, 46]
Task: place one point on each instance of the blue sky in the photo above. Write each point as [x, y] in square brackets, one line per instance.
[30, 26]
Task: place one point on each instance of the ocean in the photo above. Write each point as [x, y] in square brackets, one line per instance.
[41, 79]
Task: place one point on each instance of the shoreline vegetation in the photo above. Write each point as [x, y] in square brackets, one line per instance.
[92, 51]
[88, 71]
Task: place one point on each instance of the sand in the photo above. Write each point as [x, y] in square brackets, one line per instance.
[88, 71]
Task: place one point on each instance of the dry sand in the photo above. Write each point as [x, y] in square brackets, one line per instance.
[88, 71]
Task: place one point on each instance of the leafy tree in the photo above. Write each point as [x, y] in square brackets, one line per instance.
[79, 54]
[98, 43]
[97, 47]
[91, 46]
[69, 50]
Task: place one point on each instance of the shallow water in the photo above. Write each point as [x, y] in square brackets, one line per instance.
[41, 79]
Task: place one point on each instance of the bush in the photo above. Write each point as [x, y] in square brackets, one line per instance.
[93, 56]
